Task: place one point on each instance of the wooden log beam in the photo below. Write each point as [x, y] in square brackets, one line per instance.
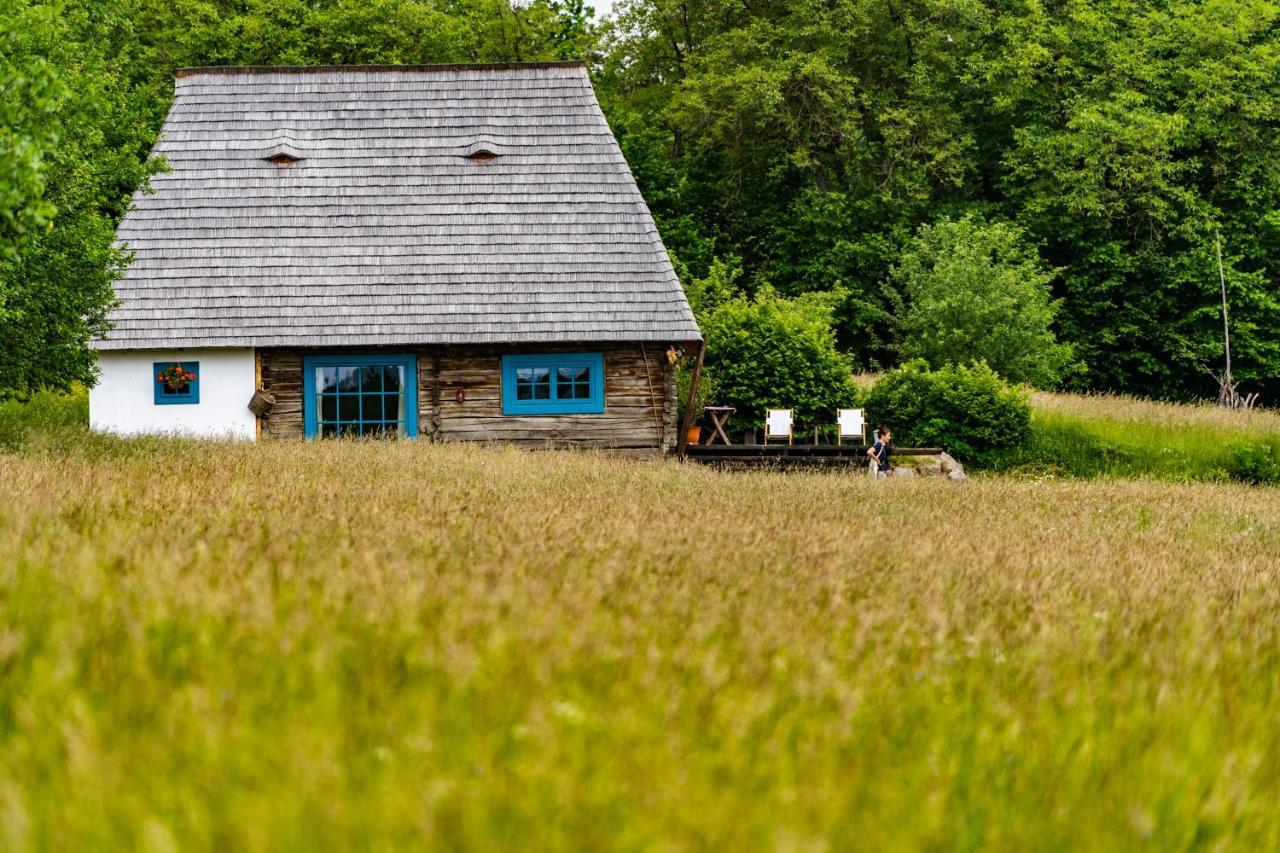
[682, 440]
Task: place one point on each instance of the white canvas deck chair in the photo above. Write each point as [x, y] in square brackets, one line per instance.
[778, 424]
[850, 424]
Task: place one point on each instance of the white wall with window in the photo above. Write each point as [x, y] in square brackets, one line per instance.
[201, 392]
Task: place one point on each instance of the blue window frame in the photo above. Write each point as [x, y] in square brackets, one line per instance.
[360, 395]
[560, 384]
[184, 393]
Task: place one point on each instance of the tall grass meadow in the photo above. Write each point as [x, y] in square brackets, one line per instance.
[290, 646]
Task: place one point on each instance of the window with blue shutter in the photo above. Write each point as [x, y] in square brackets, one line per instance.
[562, 384]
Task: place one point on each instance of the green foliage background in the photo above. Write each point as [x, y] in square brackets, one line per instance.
[802, 143]
[810, 140]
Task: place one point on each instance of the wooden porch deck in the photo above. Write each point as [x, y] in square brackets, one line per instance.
[793, 454]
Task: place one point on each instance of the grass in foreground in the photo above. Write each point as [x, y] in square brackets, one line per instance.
[295, 646]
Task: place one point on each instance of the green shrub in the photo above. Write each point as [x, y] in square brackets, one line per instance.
[968, 411]
[43, 414]
[1249, 462]
[771, 352]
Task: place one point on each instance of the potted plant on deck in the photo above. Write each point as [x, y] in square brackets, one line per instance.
[706, 392]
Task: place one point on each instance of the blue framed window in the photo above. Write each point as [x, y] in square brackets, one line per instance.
[567, 384]
[360, 395]
[176, 382]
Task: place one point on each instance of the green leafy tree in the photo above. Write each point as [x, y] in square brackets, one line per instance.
[772, 352]
[978, 292]
[807, 139]
[717, 287]
[32, 93]
[57, 283]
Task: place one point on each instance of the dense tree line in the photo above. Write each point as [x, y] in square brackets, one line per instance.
[1091, 148]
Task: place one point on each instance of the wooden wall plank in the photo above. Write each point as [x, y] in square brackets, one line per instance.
[640, 406]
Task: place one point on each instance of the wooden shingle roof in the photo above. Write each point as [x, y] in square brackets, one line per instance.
[364, 206]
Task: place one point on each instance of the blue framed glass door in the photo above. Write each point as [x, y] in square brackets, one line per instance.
[355, 395]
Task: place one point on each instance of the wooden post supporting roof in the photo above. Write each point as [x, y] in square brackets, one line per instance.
[682, 440]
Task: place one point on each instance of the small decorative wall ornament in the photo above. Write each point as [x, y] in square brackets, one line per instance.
[176, 378]
[672, 355]
[460, 395]
[261, 402]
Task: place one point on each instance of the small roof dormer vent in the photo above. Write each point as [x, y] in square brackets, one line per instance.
[282, 152]
[482, 151]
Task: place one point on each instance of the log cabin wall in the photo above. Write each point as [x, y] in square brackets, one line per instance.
[639, 396]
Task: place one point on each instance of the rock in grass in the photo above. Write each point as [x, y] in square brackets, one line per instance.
[952, 469]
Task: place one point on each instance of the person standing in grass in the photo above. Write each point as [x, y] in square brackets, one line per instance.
[879, 452]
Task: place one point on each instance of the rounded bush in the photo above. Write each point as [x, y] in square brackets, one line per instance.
[968, 411]
[771, 352]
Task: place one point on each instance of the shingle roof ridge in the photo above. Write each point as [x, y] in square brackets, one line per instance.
[333, 69]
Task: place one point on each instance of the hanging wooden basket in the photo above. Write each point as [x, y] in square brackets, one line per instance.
[261, 402]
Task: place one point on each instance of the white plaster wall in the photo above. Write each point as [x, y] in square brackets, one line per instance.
[124, 399]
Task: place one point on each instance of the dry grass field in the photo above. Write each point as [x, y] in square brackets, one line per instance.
[1145, 414]
[301, 647]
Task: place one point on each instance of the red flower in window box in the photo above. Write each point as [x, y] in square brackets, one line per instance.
[176, 377]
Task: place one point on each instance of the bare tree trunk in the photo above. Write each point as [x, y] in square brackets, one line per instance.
[1228, 393]
[1226, 326]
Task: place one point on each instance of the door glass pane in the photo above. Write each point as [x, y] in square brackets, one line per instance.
[392, 377]
[349, 407]
[328, 407]
[326, 380]
[348, 379]
[371, 378]
[371, 407]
